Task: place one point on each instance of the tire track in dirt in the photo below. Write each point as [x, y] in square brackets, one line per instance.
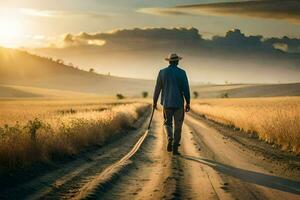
[151, 176]
[198, 181]
[68, 179]
[239, 168]
[246, 191]
[89, 189]
[198, 159]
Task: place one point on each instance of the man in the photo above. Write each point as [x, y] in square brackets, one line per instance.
[173, 84]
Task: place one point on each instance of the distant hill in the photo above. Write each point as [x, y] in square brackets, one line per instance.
[248, 90]
[25, 75]
[13, 91]
[10, 92]
[24, 69]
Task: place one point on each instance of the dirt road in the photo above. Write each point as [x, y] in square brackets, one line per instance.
[138, 166]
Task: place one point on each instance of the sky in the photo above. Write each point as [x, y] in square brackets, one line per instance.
[33, 23]
[221, 40]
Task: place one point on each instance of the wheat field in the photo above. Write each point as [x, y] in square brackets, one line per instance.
[274, 120]
[34, 131]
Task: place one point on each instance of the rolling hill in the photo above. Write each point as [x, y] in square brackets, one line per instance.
[23, 69]
[16, 91]
[248, 90]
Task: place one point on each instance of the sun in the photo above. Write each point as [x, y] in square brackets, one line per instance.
[10, 30]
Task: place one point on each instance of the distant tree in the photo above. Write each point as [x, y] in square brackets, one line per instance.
[145, 94]
[226, 82]
[71, 64]
[120, 96]
[225, 95]
[91, 70]
[196, 94]
[108, 73]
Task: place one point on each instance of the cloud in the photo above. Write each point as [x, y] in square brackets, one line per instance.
[132, 38]
[163, 11]
[180, 38]
[291, 45]
[60, 13]
[70, 40]
[270, 9]
[281, 46]
[39, 37]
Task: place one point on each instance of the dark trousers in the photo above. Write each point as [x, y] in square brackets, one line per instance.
[178, 115]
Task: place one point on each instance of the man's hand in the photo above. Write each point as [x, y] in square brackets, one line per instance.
[154, 106]
[187, 107]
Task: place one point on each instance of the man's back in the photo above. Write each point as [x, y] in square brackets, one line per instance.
[173, 83]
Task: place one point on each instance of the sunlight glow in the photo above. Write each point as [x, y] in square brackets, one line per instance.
[11, 30]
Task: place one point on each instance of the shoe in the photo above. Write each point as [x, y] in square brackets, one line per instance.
[175, 150]
[170, 146]
[176, 153]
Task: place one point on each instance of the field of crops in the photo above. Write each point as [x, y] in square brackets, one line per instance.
[34, 131]
[275, 120]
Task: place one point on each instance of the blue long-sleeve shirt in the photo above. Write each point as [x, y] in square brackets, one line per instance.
[173, 84]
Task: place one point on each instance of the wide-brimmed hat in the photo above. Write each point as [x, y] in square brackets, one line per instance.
[173, 57]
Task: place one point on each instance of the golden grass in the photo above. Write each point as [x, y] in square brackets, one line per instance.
[274, 120]
[12, 111]
[50, 130]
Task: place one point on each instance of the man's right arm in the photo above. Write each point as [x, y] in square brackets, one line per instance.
[186, 92]
[158, 88]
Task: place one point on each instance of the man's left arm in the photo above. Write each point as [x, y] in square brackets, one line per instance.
[158, 88]
[186, 93]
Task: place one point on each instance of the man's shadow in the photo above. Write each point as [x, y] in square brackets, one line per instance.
[258, 178]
